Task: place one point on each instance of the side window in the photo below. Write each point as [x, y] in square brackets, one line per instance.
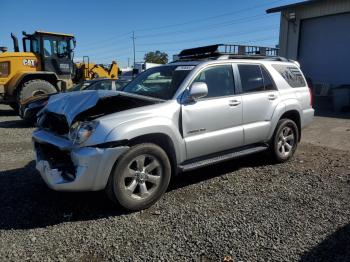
[219, 80]
[62, 48]
[54, 45]
[118, 85]
[47, 48]
[36, 47]
[251, 78]
[268, 82]
[291, 74]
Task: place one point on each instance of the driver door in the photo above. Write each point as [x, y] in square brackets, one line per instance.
[56, 57]
[213, 123]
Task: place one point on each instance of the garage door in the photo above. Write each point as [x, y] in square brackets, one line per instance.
[324, 49]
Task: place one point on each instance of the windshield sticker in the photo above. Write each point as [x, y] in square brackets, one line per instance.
[184, 68]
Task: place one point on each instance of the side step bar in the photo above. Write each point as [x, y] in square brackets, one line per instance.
[194, 164]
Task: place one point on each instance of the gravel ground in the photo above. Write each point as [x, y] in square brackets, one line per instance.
[248, 210]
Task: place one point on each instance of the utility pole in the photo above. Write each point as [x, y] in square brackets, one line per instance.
[133, 43]
[128, 61]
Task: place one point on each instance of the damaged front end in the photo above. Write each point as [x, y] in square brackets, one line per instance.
[74, 169]
[65, 157]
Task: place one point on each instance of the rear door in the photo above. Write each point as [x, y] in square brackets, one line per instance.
[259, 100]
[213, 123]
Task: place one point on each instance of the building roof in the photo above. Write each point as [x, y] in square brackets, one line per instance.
[283, 7]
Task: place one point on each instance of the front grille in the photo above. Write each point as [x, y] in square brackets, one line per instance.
[57, 159]
[55, 123]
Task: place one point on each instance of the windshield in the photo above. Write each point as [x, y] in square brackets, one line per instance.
[79, 86]
[159, 82]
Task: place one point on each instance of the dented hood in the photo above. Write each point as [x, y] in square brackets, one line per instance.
[74, 103]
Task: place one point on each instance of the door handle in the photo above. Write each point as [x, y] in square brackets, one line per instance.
[234, 102]
[272, 97]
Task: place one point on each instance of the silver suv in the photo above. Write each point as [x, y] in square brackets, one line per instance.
[204, 109]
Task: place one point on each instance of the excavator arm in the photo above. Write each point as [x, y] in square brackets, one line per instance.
[88, 71]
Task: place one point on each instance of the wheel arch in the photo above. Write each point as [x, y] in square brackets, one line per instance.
[25, 77]
[289, 108]
[295, 116]
[163, 141]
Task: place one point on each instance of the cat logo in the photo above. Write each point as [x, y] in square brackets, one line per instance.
[29, 62]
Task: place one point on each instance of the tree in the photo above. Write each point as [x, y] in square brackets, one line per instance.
[156, 57]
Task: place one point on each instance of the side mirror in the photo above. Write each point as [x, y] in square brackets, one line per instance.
[198, 90]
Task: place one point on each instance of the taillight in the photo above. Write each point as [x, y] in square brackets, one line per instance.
[311, 99]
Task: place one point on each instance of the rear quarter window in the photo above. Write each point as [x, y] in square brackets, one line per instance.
[291, 74]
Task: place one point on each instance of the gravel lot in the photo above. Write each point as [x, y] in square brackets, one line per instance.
[247, 209]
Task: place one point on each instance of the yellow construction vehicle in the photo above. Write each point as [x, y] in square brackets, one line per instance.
[45, 66]
[87, 71]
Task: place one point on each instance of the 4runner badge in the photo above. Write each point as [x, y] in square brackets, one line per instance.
[29, 62]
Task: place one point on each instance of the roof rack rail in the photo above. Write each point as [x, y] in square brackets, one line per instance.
[229, 51]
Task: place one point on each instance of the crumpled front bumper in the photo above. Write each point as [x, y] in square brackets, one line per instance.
[91, 165]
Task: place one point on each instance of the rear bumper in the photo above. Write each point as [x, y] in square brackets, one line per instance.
[76, 169]
[308, 117]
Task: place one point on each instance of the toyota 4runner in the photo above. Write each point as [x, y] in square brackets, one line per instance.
[206, 108]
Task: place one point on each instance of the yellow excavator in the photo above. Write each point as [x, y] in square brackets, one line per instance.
[87, 71]
[45, 66]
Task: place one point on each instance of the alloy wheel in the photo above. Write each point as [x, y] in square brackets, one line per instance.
[142, 176]
[286, 141]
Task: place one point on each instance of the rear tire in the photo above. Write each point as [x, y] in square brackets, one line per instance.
[34, 88]
[141, 176]
[284, 141]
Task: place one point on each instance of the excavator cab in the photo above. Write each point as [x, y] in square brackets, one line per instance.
[54, 50]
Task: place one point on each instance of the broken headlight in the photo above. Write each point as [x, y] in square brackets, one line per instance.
[81, 131]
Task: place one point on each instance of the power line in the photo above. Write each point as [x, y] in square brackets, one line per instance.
[205, 38]
[114, 38]
[211, 17]
[108, 54]
[265, 28]
[124, 35]
[123, 46]
[224, 24]
[103, 43]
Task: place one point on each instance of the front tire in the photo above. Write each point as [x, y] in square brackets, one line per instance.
[285, 140]
[140, 177]
[34, 88]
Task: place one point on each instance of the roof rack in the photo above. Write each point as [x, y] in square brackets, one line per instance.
[229, 51]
